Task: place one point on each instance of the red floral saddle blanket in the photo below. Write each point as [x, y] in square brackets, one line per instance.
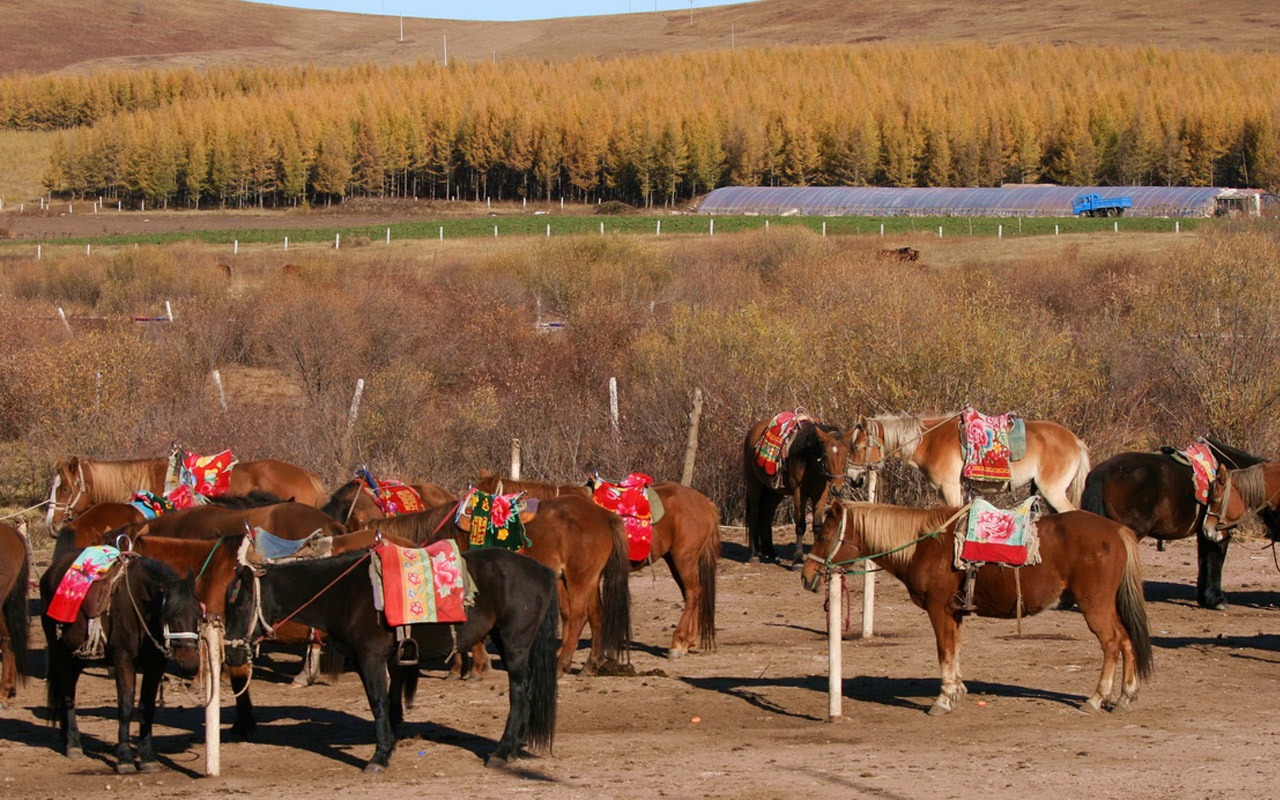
[984, 442]
[1204, 468]
[995, 536]
[414, 586]
[633, 500]
[91, 565]
[392, 498]
[775, 442]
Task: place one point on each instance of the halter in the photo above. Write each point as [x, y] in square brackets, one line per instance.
[878, 442]
[829, 565]
[81, 489]
[171, 639]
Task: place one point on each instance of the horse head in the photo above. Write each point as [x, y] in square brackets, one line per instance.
[831, 544]
[866, 447]
[244, 617]
[1226, 505]
[68, 492]
[180, 614]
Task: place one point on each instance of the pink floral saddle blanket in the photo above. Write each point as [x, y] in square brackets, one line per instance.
[414, 586]
[995, 536]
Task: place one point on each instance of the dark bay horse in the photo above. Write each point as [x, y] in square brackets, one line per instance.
[352, 505]
[687, 537]
[1056, 460]
[815, 468]
[1154, 495]
[15, 569]
[515, 604]
[584, 545]
[148, 615]
[1094, 558]
[80, 482]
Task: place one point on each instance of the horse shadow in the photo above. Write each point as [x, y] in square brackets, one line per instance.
[1185, 594]
[919, 693]
[1265, 642]
[174, 750]
[748, 689]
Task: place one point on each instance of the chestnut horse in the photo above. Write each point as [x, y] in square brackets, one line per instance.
[1154, 495]
[815, 467]
[353, 505]
[15, 570]
[1056, 460]
[80, 482]
[1090, 556]
[584, 545]
[687, 537]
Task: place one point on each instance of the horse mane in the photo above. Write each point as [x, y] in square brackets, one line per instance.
[886, 528]
[181, 594]
[240, 502]
[901, 433]
[1233, 457]
[116, 481]
[1251, 484]
[417, 527]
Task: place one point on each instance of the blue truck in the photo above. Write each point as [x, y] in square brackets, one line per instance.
[1095, 205]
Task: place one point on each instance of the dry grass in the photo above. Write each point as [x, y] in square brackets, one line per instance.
[25, 157]
[83, 35]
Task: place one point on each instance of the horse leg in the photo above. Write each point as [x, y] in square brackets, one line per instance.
[373, 674]
[310, 673]
[518, 705]
[766, 509]
[684, 569]
[952, 493]
[574, 613]
[126, 683]
[244, 723]
[946, 632]
[395, 690]
[64, 674]
[1105, 624]
[1209, 579]
[8, 668]
[147, 705]
[798, 504]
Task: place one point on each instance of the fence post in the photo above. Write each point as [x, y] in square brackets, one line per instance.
[211, 636]
[515, 459]
[222, 395]
[355, 410]
[691, 447]
[62, 316]
[835, 665]
[613, 404]
[869, 578]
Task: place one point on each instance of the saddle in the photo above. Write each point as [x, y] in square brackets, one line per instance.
[496, 520]
[261, 547]
[991, 535]
[392, 498]
[83, 598]
[1204, 466]
[989, 444]
[633, 499]
[775, 444]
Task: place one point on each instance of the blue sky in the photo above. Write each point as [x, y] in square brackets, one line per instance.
[497, 10]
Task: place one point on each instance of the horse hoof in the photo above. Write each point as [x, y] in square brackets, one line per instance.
[149, 766]
[796, 566]
[125, 768]
[677, 652]
[753, 560]
[75, 755]
[496, 762]
[938, 710]
[1090, 707]
[373, 768]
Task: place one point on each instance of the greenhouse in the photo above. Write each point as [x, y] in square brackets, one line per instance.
[1005, 201]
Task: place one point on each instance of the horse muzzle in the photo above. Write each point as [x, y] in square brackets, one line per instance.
[811, 577]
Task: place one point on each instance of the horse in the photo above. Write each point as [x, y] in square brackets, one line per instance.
[1154, 495]
[1056, 460]
[15, 569]
[1092, 557]
[153, 616]
[687, 537]
[80, 482]
[353, 506]
[901, 254]
[814, 468]
[583, 544]
[515, 604]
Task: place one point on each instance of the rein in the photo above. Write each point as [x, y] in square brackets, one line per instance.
[257, 598]
[171, 639]
[878, 443]
[81, 489]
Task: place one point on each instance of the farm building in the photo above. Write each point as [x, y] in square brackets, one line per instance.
[1010, 200]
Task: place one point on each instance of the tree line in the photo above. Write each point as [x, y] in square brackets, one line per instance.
[660, 130]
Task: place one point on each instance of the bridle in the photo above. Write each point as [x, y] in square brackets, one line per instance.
[171, 639]
[80, 490]
[247, 644]
[827, 561]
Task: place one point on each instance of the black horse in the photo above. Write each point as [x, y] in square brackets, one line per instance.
[1154, 494]
[147, 614]
[813, 468]
[515, 603]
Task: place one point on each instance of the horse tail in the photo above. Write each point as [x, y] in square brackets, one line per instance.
[17, 618]
[708, 565]
[543, 675]
[1091, 497]
[1076, 489]
[1131, 606]
[317, 486]
[615, 598]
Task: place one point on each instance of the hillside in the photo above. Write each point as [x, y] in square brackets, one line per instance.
[80, 35]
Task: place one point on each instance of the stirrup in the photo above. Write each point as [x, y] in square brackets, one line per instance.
[962, 600]
[406, 648]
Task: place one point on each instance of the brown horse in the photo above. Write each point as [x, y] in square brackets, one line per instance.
[584, 545]
[1090, 556]
[80, 482]
[1056, 460]
[353, 505]
[687, 537]
[815, 468]
[15, 571]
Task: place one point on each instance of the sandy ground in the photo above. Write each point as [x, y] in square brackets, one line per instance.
[749, 720]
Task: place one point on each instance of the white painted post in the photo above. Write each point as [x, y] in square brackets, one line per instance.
[882, 229]
[711, 227]
[515, 459]
[211, 635]
[119, 205]
[222, 395]
[939, 231]
[1000, 231]
[602, 229]
[1115, 226]
[442, 233]
[168, 310]
[548, 230]
[286, 244]
[235, 247]
[38, 252]
[613, 403]
[495, 231]
[88, 249]
[1177, 226]
[388, 236]
[355, 407]
[766, 226]
[70, 208]
[562, 202]
[869, 578]
[1055, 229]
[524, 203]
[62, 317]
[337, 241]
[824, 228]
[835, 665]
[659, 232]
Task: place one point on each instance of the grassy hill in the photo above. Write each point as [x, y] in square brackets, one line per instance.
[81, 35]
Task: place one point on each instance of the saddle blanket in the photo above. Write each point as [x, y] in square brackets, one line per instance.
[393, 498]
[415, 586]
[89, 566]
[996, 536]
[984, 442]
[775, 444]
[1204, 468]
[267, 546]
[629, 499]
[201, 475]
[150, 504]
[494, 520]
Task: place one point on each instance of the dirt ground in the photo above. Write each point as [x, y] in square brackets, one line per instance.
[749, 720]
